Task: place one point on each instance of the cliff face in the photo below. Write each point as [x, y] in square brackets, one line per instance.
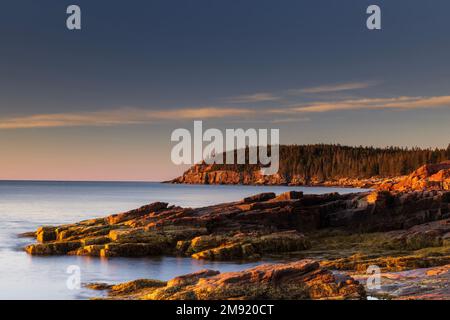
[427, 177]
[210, 174]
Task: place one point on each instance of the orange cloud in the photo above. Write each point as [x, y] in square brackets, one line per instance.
[117, 117]
[337, 87]
[140, 116]
[375, 103]
[254, 98]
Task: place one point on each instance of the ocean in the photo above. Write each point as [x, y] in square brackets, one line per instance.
[25, 205]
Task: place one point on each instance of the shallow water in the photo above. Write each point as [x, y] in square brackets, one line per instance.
[26, 205]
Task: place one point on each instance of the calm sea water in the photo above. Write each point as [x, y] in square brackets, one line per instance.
[26, 205]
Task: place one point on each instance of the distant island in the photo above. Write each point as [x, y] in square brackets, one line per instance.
[324, 165]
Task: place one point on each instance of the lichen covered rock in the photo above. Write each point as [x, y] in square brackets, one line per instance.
[259, 225]
[303, 279]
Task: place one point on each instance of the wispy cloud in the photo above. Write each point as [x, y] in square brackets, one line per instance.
[404, 103]
[335, 87]
[291, 120]
[131, 116]
[271, 120]
[254, 98]
[285, 95]
[117, 117]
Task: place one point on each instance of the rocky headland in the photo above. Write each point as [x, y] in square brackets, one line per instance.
[212, 174]
[402, 226]
[321, 165]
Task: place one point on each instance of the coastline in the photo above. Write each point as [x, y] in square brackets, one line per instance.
[402, 227]
[328, 184]
[209, 175]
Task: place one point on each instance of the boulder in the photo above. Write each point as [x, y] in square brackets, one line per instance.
[244, 246]
[53, 248]
[121, 217]
[46, 233]
[259, 197]
[290, 195]
[131, 250]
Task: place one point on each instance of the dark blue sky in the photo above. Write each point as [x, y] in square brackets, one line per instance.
[163, 53]
[266, 58]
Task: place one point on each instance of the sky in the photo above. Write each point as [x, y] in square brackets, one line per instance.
[101, 103]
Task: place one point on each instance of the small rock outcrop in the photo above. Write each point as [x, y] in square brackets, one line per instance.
[420, 284]
[428, 177]
[303, 279]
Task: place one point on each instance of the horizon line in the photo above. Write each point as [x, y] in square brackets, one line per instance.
[59, 180]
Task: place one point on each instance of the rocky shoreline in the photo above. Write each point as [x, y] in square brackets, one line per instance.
[326, 242]
[303, 279]
[210, 174]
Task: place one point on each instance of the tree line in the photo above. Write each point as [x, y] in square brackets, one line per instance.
[327, 162]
